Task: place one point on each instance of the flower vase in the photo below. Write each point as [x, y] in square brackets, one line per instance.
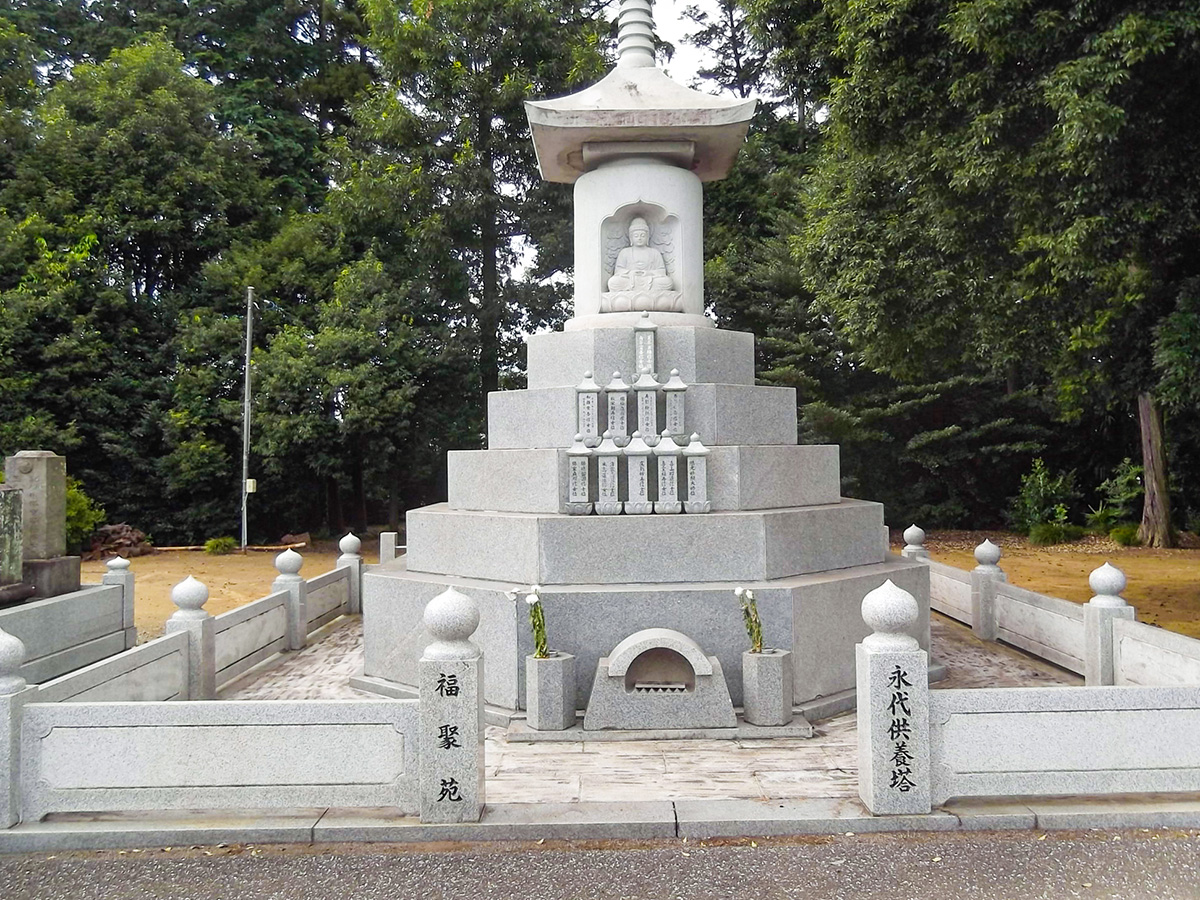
[768, 687]
[550, 691]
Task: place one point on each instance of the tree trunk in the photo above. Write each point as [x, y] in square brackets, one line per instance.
[394, 500]
[359, 489]
[333, 505]
[1156, 510]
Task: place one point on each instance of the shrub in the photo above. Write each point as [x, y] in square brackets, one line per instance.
[220, 546]
[1045, 533]
[1043, 498]
[1103, 519]
[83, 515]
[1123, 490]
[1126, 535]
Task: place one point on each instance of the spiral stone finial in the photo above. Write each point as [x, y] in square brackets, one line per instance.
[451, 618]
[635, 35]
[289, 562]
[12, 655]
[890, 611]
[350, 544]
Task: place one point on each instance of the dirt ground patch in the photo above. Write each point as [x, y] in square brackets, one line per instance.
[232, 580]
[1164, 585]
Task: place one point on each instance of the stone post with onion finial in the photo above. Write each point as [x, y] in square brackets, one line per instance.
[914, 543]
[984, 578]
[14, 694]
[1098, 613]
[119, 574]
[892, 682]
[190, 596]
[289, 579]
[351, 559]
[450, 680]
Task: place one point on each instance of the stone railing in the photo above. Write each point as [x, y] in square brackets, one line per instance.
[63, 633]
[919, 748]
[418, 756]
[1098, 639]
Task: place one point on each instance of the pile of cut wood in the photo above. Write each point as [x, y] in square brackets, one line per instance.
[118, 540]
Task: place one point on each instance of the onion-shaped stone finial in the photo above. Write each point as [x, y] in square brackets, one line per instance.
[451, 618]
[289, 562]
[914, 536]
[890, 611]
[1106, 583]
[12, 655]
[350, 544]
[117, 564]
[987, 553]
[190, 596]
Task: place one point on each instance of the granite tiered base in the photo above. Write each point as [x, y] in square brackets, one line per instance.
[778, 526]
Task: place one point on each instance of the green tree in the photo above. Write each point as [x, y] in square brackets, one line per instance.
[456, 74]
[1012, 188]
[128, 188]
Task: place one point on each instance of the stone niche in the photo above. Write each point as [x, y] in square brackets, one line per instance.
[650, 293]
[659, 679]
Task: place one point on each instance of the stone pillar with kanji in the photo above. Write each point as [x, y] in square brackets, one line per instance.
[451, 690]
[893, 706]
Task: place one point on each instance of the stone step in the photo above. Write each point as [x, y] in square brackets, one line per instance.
[722, 414]
[815, 616]
[712, 355]
[527, 548]
[742, 477]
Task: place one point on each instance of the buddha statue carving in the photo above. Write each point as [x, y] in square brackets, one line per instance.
[640, 280]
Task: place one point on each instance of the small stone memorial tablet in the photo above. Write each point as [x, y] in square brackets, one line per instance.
[587, 395]
[696, 455]
[617, 394]
[579, 489]
[608, 457]
[674, 390]
[646, 389]
[637, 475]
[643, 344]
[667, 452]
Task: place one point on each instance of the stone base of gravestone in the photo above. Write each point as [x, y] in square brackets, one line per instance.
[550, 691]
[768, 686]
[52, 577]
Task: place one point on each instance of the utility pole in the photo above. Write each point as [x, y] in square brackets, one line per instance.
[246, 414]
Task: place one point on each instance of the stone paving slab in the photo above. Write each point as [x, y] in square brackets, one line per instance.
[596, 769]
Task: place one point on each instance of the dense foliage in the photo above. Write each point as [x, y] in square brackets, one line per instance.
[963, 230]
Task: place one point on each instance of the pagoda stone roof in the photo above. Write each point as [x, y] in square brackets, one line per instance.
[638, 104]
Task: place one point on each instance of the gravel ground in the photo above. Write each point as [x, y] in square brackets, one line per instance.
[1093, 864]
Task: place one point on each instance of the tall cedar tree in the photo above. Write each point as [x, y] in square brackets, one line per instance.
[1014, 186]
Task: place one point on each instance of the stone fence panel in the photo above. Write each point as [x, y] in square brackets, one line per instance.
[156, 670]
[218, 755]
[1148, 655]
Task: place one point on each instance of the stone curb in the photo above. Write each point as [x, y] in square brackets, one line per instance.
[692, 819]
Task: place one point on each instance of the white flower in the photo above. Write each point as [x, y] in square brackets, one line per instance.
[533, 599]
[535, 589]
[749, 594]
[511, 595]
[738, 591]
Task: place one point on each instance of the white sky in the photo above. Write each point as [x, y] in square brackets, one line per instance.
[670, 25]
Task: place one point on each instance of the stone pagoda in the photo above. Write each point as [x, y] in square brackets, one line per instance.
[643, 475]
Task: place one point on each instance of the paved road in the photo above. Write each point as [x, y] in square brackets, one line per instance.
[1100, 864]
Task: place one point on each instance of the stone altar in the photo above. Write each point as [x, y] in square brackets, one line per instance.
[637, 148]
